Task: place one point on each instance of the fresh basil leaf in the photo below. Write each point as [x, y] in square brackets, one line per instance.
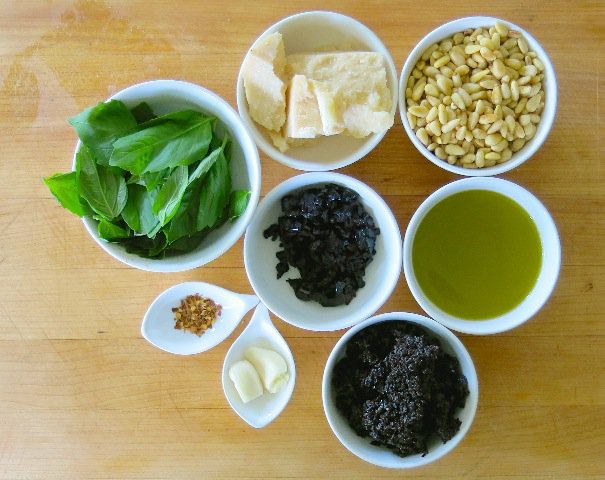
[238, 201]
[138, 213]
[206, 163]
[153, 179]
[176, 139]
[64, 187]
[135, 179]
[183, 223]
[169, 196]
[146, 247]
[186, 244]
[110, 231]
[103, 188]
[143, 113]
[100, 126]
[215, 194]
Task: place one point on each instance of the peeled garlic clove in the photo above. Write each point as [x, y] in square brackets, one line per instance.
[271, 367]
[246, 380]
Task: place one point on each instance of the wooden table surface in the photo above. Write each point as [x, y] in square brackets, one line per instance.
[83, 396]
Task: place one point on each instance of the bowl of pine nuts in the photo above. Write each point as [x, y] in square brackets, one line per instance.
[478, 96]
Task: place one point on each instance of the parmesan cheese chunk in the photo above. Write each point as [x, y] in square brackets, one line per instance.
[263, 73]
[353, 97]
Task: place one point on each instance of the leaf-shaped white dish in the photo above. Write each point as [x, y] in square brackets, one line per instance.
[158, 323]
[260, 332]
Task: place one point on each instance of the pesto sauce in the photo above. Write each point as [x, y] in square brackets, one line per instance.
[477, 254]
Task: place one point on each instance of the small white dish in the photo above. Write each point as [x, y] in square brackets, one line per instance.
[260, 332]
[381, 274]
[317, 31]
[158, 323]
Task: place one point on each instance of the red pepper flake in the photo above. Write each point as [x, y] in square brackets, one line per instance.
[196, 314]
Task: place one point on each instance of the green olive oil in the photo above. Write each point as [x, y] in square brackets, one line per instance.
[477, 254]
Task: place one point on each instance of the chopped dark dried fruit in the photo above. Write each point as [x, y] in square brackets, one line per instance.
[327, 234]
[397, 386]
[196, 314]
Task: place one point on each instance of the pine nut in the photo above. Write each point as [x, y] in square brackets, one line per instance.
[471, 87]
[418, 111]
[440, 62]
[477, 77]
[517, 144]
[498, 69]
[501, 29]
[449, 126]
[488, 118]
[522, 45]
[493, 139]
[444, 84]
[495, 127]
[462, 70]
[442, 114]
[434, 127]
[538, 64]
[505, 155]
[418, 89]
[423, 136]
[514, 63]
[454, 150]
[440, 153]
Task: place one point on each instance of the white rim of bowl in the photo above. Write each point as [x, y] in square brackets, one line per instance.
[445, 336]
[551, 256]
[304, 165]
[313, 178]
[548, 115]
[248, 148]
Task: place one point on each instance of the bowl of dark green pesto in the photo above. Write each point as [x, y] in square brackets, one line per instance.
[321, 251]
[165, 176]
[400, 390]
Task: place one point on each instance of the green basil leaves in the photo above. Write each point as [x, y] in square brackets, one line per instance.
[157, 185]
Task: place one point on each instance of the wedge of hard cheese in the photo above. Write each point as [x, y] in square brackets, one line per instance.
[350, 90]
[311, 110]
[263, 73]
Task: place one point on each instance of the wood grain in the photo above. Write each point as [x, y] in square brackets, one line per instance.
[83, 396]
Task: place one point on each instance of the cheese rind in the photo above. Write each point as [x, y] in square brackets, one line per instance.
[263, 72]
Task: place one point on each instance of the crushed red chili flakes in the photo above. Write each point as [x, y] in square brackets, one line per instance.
[196, 314]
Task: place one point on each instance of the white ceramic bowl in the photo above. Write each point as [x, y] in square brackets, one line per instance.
[549, 270]
[381, 274]
[381, 456]
[310, 32]
[165, 96]
[550, 87]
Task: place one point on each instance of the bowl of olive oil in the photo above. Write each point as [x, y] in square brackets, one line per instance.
[481, 255]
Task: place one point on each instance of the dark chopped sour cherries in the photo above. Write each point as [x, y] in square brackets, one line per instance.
[397, 386]
[326, 233]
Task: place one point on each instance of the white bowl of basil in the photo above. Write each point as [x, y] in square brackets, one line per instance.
[165, 176]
